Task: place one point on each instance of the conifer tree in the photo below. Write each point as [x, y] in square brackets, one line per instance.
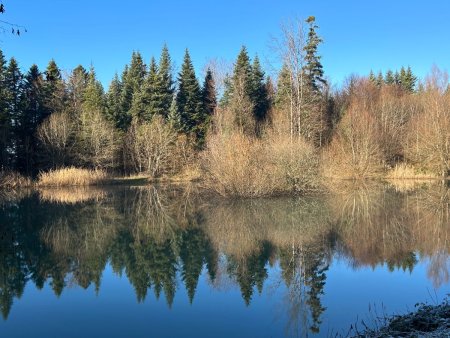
[55, 91]
[76, 86]
[209, 93]
[113, 102]
[313, 68]
[147, 102]
[132, 79]
[242, 72]
[389, 79]
[5, 121]
[259, 91]
[32, 115]
[372, 77]
[165, 85]
[409, 81]
[380, 79]
[189, 98]
[15, 105]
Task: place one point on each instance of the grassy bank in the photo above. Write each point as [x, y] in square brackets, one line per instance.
[426, 321]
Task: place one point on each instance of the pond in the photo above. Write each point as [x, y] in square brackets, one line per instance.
[166, 261]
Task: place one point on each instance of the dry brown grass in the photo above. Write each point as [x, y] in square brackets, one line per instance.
[405, 171]
[13, 180]
[72, 177]
[72, 195]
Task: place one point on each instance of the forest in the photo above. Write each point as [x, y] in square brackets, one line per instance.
[240, 131]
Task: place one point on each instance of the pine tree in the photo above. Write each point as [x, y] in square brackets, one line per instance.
[313, 68]
[113, 103]
[147, 102]
[55, 91]
[132, 79]
[5, 121]
[166, 85]
[123, 119]
[209, 101]
[380, 79]
[33, 114]
[15, 105]
[242, 72]
[93, 98]
[372, 77]
[259, 91]
[189, 98]
[76, 85]
[409, 81]
[389, 79]
[240, 93]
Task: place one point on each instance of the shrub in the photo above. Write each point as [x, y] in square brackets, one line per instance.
[72, 177]
[239, 165]
[13, 180]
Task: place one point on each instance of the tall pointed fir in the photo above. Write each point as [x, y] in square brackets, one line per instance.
[240, 94]
[132, 79]
[5, 121]
[259, 91]
[147, 102]
[15, 104]
[55, 90]
[113, 102]
[313, 67]
[166, 84]
[209, 100]
[76, 86]
[33, 114]
[189, 98]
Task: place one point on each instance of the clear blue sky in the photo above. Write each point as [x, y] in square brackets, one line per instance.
[358, 35]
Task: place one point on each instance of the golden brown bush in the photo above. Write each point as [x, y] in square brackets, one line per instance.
[72, 177]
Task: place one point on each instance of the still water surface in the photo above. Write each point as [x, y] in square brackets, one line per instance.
[168, 262]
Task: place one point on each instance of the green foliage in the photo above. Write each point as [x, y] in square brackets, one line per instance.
[189, 99]
[313, 68]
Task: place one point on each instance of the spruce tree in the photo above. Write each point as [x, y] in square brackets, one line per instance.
[389, 79]
[372, 77]
[55, 91]
[123, 118]
[313, 68]
[380, 79]
[242, 73]
[259, 91]
[5, 121]
[165, 85]
[132, 79]
[113, 102]
[209, 102]
[147, 102]
[189, 98]
[209, 96]
[15, 105]
[409, 81]
[33, 114]
[76, 85]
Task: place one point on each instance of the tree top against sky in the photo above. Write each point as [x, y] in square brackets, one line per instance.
[358, 35]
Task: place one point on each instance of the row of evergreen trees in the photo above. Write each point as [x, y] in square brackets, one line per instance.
[404, 78]
[141, 93]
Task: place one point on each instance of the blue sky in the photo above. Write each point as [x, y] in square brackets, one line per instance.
[358, 35]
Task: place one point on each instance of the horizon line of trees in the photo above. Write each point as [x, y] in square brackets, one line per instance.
[151, 121]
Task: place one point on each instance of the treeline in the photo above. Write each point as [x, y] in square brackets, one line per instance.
[51, 122]
[271, 135]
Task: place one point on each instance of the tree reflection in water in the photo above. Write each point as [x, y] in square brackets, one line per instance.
[156, 236]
